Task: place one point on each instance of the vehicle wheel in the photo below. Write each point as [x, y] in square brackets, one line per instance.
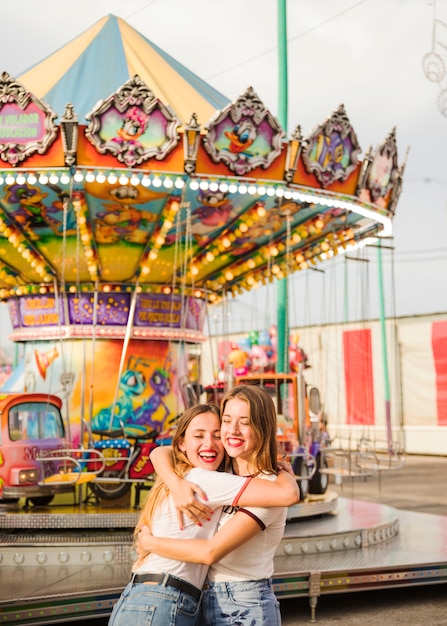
[41, 500]
[8, 501]
[300, 469]
[319, 482]
[110, 491]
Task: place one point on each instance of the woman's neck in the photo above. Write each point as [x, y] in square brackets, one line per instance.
[242, 467]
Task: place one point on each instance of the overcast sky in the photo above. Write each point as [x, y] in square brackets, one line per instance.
[366, 54]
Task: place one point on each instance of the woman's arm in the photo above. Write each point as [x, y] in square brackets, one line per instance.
[183, 492]
[283, 491]
[232, 535]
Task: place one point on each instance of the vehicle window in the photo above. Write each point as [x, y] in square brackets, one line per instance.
[35, 420]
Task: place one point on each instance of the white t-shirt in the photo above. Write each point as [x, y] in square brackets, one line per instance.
[253, 560]
[221, 489]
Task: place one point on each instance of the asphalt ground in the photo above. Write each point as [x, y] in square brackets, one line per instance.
[420, 484]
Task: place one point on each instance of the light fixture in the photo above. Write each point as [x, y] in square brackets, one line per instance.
[191, 141]
[69, 132]
[293, 154]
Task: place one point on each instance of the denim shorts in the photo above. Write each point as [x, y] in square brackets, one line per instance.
[245, 603]
[154, 605]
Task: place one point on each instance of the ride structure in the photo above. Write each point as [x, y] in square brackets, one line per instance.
[120, 230]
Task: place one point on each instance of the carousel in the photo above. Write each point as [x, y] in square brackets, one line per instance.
[131, 203]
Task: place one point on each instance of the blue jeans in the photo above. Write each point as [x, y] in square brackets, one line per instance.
[154, 605]
[242, 603]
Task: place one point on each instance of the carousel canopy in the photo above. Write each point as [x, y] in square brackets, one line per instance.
[124, 172]
[97, 62]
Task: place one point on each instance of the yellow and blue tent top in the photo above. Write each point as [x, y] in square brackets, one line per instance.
[94, 65]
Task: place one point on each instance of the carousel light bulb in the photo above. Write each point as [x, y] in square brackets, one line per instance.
[112, 178]
[123, 179]
[243, 227]
[146, 181]
[153, 255]
[242, 189]
[65, 178]
[223, 187]
[229, 275]
[261, 190]
[54, 179]
[251, 263]
[232, 188]
[145, 270]
[167, 183]
[100, 177]
[226, 242]
[157, 182]
[214, 187]
[251, 189]
[279, 192]
[20, 179]
[9, 180]
[78, 177]
[270, 191]
[90, 177]
[194, 185]
[134, 180]
[204, 185]
[194, 270]
[179, 183]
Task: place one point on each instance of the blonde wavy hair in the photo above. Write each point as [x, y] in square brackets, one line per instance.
[182, 464]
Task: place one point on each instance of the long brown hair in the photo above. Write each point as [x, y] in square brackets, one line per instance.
[181, 463]
[262, 416]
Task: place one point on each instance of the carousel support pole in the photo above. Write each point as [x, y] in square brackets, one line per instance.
[384, 351]
[129, 326]
[282, 365]
[93, 346]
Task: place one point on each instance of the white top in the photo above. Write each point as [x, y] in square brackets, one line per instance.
[221, 489]
[253, 560]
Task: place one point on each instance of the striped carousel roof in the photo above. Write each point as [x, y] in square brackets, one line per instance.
[97, 62]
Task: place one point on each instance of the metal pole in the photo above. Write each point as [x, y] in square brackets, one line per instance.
[282, 364]
[386, 380]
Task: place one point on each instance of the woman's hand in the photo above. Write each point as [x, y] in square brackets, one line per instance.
[186, 502]
[285, 465]
[142, 545]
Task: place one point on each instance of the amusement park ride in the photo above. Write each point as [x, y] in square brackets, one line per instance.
[117, 232]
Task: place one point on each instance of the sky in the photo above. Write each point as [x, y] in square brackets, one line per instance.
[369, 55]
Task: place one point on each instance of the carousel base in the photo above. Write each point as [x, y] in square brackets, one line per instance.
[72, 563]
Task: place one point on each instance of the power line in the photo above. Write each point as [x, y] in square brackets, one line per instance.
[289, 39]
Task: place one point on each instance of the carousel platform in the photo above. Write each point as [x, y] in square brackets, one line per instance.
[71, 563]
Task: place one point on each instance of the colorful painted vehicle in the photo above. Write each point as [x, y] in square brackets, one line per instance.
[31, 423]
[299, 416]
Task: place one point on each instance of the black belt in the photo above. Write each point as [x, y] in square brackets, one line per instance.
[166, 580]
